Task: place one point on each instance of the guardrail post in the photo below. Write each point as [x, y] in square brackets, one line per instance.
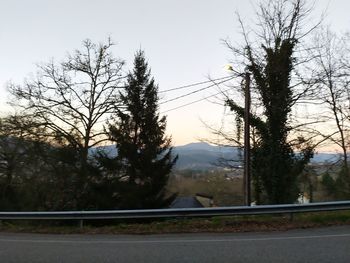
[81, 223]
[291, 217]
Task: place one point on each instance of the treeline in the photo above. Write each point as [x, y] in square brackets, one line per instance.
[299, 78]
[49, 159]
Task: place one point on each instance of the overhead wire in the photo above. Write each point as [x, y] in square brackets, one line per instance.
[194, 84]
[223, 80]
[198, 90]
[196, 101]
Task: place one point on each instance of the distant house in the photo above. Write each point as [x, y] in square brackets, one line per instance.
[205, 200]
[303, 198]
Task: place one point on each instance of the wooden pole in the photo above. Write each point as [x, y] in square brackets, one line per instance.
[247, 194]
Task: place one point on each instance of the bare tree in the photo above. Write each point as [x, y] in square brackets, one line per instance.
[73, 99]
[331, 70]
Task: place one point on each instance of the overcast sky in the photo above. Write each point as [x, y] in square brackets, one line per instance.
[181, 39]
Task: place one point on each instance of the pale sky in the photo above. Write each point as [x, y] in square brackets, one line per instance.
[181, 39]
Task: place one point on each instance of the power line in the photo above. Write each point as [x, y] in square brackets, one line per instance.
[196, 91]
[194, 84]
[193, 102]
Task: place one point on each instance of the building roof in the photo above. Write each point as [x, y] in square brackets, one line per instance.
[204, 195]
[186, 202]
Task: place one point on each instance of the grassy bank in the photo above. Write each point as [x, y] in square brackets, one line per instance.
[216, 225]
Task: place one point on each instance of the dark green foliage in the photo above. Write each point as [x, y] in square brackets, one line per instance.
[343, 183]
[144, 158]
[64, 168]
[36, 175]
[23, 174]
[16, 153]
[337, 184]
[275, 166]
[329, 183]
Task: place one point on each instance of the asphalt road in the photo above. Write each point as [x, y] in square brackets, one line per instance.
[311, 245]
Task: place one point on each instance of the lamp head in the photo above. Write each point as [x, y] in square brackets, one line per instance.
[228, 67]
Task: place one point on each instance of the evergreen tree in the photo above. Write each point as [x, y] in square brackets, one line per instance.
[144, 158]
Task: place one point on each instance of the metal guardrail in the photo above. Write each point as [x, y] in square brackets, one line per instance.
[179, 212]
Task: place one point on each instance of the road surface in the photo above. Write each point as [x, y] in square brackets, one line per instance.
[311, 245]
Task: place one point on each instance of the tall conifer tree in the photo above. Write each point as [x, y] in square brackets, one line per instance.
[145, 156]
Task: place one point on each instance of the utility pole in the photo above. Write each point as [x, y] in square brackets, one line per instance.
[246, 172]
[247, 194]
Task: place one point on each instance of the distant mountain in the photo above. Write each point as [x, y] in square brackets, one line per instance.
[110, 150]
[195, 146]
[194, 156]
[204, 156]
[325, 157]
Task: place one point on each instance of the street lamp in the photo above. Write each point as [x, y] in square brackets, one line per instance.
[247, 173]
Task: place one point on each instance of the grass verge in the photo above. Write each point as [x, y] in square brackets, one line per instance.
[195, 225]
